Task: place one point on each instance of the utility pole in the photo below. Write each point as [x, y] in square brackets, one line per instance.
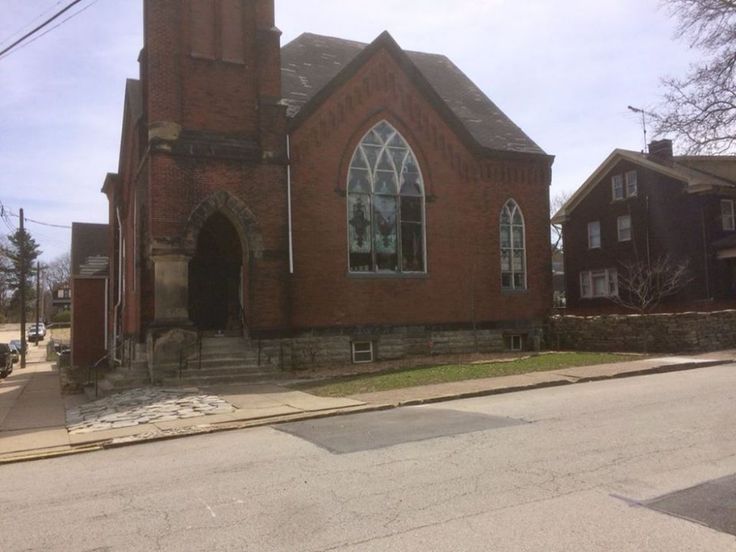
[23, 343]
[38, 297]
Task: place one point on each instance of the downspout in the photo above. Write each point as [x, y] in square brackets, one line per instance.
[107, 313]
[120, 287]
[288, 201]
[705, 252]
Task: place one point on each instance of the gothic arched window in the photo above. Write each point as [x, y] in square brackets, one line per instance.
[385, 205]
[513, 249]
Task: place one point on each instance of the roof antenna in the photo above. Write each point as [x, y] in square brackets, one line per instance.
[643, 124]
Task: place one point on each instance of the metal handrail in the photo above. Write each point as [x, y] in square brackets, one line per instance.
[94, 368]
[184, 354]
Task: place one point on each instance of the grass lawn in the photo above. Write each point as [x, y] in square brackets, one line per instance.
[410, 377]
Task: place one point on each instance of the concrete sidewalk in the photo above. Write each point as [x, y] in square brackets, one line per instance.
[36, 420]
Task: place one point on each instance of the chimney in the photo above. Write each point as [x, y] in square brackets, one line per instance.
[660, 151]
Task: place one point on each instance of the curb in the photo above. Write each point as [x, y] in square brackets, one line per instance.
[206, 429]
[665, 368]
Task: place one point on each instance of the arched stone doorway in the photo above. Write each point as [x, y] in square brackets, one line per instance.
[216, 278]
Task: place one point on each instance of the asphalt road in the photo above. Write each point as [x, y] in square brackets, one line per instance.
[588, 467]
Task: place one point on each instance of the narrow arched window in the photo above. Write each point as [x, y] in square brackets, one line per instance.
[385, 205]
[513, 249]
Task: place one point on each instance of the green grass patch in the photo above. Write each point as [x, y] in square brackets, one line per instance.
[411, 377]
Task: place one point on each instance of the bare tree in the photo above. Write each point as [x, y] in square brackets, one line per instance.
[642, 286]
[58, 271]
[555, 205]
[700, 109]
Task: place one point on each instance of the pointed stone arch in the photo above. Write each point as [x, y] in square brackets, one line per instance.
[236, 211]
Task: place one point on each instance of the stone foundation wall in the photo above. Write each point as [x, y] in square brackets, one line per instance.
[652, 333]
[310, 350]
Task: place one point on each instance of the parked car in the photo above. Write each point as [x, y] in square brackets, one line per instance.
[17, 344]
[6, 360]
[15, 352]
[36, 332]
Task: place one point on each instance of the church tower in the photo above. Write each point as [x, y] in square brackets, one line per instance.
[214, 243]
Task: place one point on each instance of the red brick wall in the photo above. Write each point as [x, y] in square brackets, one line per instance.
[88, 321]
[209, 92]
[462, 216]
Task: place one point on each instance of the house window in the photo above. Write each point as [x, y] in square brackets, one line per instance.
[624, 228]
[513, 250]
[514, 342]
[631, 185]
[385, 203]
[727, 214]
[594, 234]
[362, 352]
[617, 187]
[598, 283]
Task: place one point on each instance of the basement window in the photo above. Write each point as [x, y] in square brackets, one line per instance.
[362, 352]
[514, 342]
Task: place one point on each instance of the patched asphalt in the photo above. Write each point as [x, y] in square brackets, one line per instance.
[712, 504]
[375, 430]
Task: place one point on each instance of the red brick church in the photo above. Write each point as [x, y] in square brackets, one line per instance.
[325, 201]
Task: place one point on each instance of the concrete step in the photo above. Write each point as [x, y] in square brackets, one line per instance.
[206, 379]
[224, 370]
[223, 362]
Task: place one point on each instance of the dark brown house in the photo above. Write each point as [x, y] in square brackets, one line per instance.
[642, 209]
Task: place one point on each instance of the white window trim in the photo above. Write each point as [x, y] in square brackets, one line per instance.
[356, 345]
[632, 181]
[617, 184]
[619, 228]
[515, 338]
[728, 222]
[590, 235]
[611, 283]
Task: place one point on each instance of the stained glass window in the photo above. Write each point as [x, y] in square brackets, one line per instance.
[385, 205]
[513, 248]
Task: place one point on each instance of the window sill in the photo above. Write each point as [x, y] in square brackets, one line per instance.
[388, 275]
[512, 291]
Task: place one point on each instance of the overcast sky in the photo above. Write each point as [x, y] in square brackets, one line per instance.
[563, 70]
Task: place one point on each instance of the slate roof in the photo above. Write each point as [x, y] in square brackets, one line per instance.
[695, 179]
[89, 249]
[310, 62]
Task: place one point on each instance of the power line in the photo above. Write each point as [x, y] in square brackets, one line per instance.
[35, 38]
[41, 26]
[41, 223]
[31, 22]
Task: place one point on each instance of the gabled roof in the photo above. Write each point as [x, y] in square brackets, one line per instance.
[313, 64]
[695, 179]
[89, 249]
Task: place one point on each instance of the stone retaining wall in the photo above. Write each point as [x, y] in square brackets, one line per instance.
[310, 350]
[652, 333]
